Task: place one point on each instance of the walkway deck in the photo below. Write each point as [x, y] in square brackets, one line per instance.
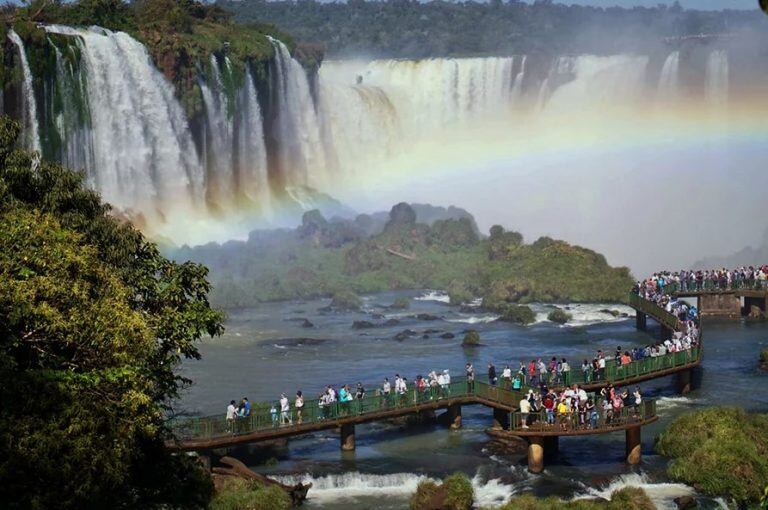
[263, 425]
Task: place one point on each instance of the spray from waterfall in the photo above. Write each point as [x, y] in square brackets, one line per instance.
[29, 106]
[669, 80]
[717, 78]
[517, 86]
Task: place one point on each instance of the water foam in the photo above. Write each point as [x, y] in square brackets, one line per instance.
[434, 295]
[475, 319]
[662, 494]
[584, 314]
[355, 484]
[664, 403]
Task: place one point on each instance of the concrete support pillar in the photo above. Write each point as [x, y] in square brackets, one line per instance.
[684, 382]
[500, 419]
[551, 446]
[640, 320]
[633, 446]
[348, 437]
[454, 416]
[535, 454]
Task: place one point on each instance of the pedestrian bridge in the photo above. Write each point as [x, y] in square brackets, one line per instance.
[209, 432]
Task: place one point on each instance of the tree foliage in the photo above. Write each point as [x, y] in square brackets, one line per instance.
[93, 322]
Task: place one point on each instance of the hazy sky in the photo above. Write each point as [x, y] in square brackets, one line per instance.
[688, 4]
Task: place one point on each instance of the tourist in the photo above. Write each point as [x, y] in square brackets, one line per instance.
[517, 382]
[470, 371]
[246, 407]
[566, 371]
[563, 410]
[506, 377]
[586, 370]
[532, 373]
[549, 408]
[231, 413]
[447, 381]
[344, 399]
[638, 400]
[285, 409]
[592, 411]
[359, 391]
[491, 374]
[298, 403]
[525, 410]
[386, 390]
[521, 372]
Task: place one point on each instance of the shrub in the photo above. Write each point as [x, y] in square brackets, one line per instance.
[725, 452]
[559, 316]
[346, 300]
[519, 314]
[459, 493]
[239, 494]
[471, 338]
[764, 355]
[424, 495]
[628, 498]
[401, 303]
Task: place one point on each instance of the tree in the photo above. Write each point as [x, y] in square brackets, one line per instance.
[93, 323]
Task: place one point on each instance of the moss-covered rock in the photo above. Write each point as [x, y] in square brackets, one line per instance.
[239, 494]
[559, 316]
[401, 303]
[517, 314]
[628, 498]
[721, 451]
[344, 300]
[471, 338]
[455, 493]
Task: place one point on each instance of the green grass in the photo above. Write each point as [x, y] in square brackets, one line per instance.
[721, 451]
[764, 355]
[628, 498]
[238, 494]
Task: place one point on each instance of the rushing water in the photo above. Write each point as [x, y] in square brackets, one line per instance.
[29, 106]
[266, 351]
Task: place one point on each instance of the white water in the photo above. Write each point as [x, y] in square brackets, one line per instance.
[72, 123]
[354, 484]
[144, 157]
[299, 140]
[435, 295]
[585, 314]
[31, 131]
[218, 136]
[252, 176]
[717, 78]
[517, 85]
[665, 403]
[669, 80]
[662, 494]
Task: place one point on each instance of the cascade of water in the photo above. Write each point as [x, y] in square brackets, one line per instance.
[251, 152]
[218, 137]
[143, 154]
[72, 120]
[717, 78]
[31, 128]
[669, 80]
[517, 86]
[301, 154]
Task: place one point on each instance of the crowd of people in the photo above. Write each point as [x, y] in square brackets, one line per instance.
[571, 405]
[574, 409]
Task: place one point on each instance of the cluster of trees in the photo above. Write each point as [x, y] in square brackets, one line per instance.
[364, 255]
[413, 29]
[93, 323]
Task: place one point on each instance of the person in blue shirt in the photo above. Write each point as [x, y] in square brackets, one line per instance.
[246, 407]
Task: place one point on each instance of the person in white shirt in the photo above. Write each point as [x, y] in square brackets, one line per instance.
[525, 409]
[447, 381]
[231, 413]
[285, 409]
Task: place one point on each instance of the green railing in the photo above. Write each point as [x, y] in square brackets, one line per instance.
[715, 287]
[261, 418]
[598, 419]
[650, 308]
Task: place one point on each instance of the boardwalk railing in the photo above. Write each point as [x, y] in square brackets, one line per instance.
[598, 419]
[650, 308]
[713, 287]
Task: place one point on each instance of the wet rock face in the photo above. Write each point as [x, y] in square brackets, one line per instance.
[684, 502]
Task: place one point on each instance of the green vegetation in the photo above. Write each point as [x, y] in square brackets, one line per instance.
[559, 316]
[764, 355]
[725, 452]
[345, 300]
[239, 494]
[628, 498]
[180, 35]
[397, 29]
[320, 257]
[401, 303]
[471, 338]
[455, 493]
[94, 324]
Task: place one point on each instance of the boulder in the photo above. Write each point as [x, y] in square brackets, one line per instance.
[684, 502]
[406, 333]
[363, 325]
[447, 335]
[471, 339]
[756, 313]
[392, 322]
[426, 317]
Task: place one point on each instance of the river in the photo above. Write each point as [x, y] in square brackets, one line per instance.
[266, 351]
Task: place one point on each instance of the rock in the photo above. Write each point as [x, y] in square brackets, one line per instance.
[425, 337]
[306, 323]
[401, 303]
[363, 325]
[426, 317]
[559, 316]
[756, 313]
[519, 314]
[392, 322]
[431, 331]
[345, 301]
[405, 334]
[377, 316]
[448, 335]
[684, 502]
[471, 339]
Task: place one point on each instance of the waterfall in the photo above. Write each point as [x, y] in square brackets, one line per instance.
[517, 86]
[72, 120]
[252, 177]
[143, 154]
[29, 105]
[669, 81]
[717, 78]
[219, 183]
[302, 158]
